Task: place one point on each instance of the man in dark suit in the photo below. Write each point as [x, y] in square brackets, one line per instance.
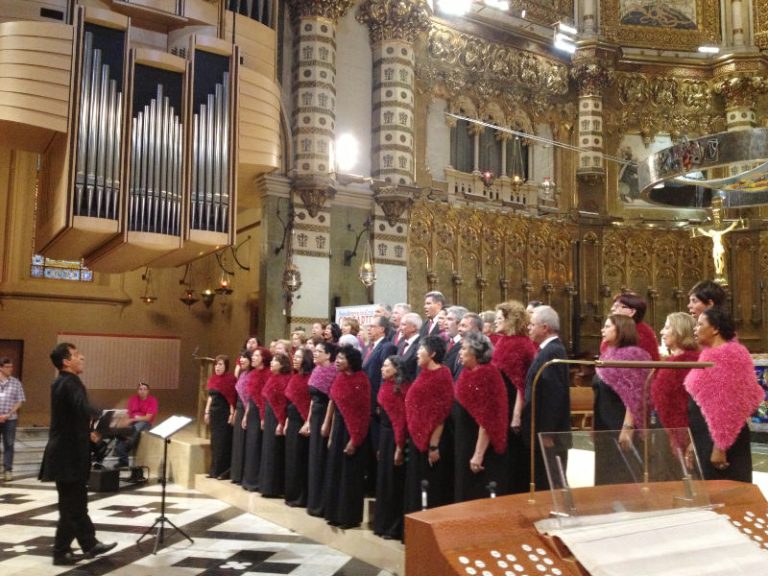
[379, 349]
[410, 325]
[553, 401]
[453, 318]
[67, 458]
[433, 302]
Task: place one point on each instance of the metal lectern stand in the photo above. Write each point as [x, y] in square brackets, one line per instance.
[166, 430]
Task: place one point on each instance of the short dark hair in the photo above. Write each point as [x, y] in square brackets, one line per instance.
[436, 296]
[330, 348]
[635, 302]
[335, 331]
[720, 319]
[285, 362]
[708, 292]
[353, 356]
[399, 365]
[382, 322]
[5, 360]
[626, 330]
[307, 361]
[62, 351]
[223, 358]
[143, 384]
[434, 345]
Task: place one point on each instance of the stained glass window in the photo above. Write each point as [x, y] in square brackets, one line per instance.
[50, 269]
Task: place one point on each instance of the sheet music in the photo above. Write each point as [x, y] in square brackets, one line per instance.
[699, 542]
[170, 426]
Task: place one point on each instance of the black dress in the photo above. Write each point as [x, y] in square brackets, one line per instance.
[612, 465]
[221, 434]
[252, 448]
[739, 455]
[272, 472]
[390, 485]
[318, 453]
[468, 485]
[238, 445]
[296, 459]
[439, 476]
[344, 479]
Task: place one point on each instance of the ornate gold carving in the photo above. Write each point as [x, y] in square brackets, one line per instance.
[707, 28]
[741, 91]
[393, 202]
[680, 106]
[592, 78]
[458, 63]
[394, 19]
[331, 9]
[544, 12]
[314, 192]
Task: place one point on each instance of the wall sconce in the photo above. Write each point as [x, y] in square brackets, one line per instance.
[291, 277]
[225, 284]
[149, 296]
[349, 255]
[189, 294]
[367, 273]
[487, 178]
[547, 189]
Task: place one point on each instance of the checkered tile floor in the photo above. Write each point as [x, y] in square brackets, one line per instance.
[227, 542]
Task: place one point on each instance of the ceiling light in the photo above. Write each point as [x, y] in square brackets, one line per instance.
[454, 7]
[709, 49]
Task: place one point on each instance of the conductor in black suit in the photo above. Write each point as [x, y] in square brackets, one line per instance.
[553, 400]
[67, 458]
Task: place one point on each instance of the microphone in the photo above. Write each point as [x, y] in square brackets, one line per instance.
[491, 487]
[424, 488]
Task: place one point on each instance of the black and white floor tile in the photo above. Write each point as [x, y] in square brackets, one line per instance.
[226, 541]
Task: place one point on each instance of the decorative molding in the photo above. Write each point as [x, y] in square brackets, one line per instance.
[393, 201]
[394, 19]
[331, 9]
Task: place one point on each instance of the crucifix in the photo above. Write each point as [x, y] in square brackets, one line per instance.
[716, 232]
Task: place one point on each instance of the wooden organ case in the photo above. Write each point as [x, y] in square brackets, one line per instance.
[146, 173]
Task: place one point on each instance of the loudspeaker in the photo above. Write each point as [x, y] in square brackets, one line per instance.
[104, 480]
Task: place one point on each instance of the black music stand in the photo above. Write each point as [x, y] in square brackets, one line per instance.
[165, 430]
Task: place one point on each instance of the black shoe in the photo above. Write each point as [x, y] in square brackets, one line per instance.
[67, 559]
[100, 548]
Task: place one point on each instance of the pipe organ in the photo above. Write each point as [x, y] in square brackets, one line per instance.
[151, 153]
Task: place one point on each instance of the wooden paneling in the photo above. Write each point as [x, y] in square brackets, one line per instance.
[122, 361]
[257, 42]
[35, 67]
[259, 124]
[13, 10]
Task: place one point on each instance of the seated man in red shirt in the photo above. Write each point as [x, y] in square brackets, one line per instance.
[142, 409]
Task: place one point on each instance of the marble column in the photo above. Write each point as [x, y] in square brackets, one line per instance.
[393, 26]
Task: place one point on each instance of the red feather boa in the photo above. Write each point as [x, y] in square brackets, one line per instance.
[428, 404]
[727, 392]
[225, 385]
[256, 380]
[628, 383]
[482, 393]
[513, 355]
[274, 393]
[297, 393]
[394, 405]
[351, 393]
[668, 393]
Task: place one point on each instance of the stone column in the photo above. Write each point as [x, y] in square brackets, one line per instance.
[393, 26]
[313, 123]
[737, 24]
[592, 76]
[588, 18]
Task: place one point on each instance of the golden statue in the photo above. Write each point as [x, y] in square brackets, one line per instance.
[716, 232]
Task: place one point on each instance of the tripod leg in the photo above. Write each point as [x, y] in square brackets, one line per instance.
[180, 531]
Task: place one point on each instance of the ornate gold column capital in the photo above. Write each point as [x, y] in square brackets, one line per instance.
[741, 91]
[314, 192]
[394, 201]
[330, 9]
[394, 19]
[592, 77]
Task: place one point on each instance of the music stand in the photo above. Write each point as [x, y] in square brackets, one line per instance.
[165, 430]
